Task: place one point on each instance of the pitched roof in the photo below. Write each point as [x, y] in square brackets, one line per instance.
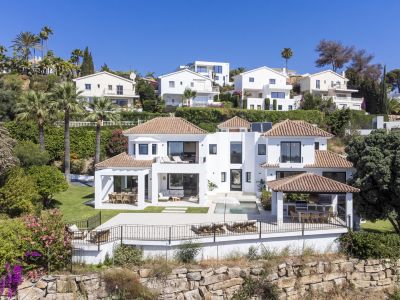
[235, 122]
[310, 183]
[185, 70]
[105, 73]
[124, 160]
[296, 128]
[328, 159]
[263, 67]
[322, 72]
[166, 125]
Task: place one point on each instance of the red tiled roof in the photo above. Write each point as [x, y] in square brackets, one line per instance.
[235, 122]
[296, 128]
[124, 160]
[166, 125]
[310, 183]
[328, 159]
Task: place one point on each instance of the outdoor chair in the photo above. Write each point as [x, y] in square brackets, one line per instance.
[76, 233]
[305, 217]
[100, 236]
[132, 198]
[111, 197]
[125, 198]
[178, 159]
[293, 215]
[118, 198]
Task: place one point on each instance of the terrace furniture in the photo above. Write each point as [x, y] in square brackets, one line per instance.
[175, 199]
[178, 159]
[165, 159]
[293, 215]
[132, 198]
[125, 198]
[118, 198]
[168, 194]
[76, 233]
[111, 197]
[100, 236]
[242, 226]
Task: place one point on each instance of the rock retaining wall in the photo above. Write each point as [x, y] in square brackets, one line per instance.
[294, 279]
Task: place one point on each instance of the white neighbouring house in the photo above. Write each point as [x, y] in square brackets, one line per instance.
[217, 71]
[330, 84]
[172, 86]
[104, 84]
[263, 83]
[174, 164]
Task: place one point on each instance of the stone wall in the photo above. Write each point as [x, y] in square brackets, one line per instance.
[293, 279]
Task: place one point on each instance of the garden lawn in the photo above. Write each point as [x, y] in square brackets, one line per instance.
[72, 205]
[378, 226]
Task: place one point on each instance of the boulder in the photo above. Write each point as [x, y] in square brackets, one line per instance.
[31, 293]
[192, 295]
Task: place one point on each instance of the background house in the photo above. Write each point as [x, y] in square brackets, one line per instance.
[217, 71]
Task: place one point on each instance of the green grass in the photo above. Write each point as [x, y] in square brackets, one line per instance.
[71, 203]
[378, 226]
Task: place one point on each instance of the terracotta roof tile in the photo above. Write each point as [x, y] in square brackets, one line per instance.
[296, 128]
[269, 165]
[328, 159]
[310, 183]
[235, 122]
[124, 160]
[166, 125]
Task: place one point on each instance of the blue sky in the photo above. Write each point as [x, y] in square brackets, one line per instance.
[160, 35]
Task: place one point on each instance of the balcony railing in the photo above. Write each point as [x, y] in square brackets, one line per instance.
[115, 92]
[338, 98]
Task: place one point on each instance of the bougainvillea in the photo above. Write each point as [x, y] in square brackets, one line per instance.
[10, 281]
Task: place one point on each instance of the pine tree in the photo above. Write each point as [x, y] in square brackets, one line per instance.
[87, 66]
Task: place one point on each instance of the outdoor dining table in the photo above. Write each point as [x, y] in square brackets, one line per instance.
[314, 213]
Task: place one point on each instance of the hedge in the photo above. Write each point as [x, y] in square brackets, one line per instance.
[365, 245]
[144, 115]
[82, 138]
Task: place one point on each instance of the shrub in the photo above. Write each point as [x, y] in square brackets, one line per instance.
[274, 104]
[257, 287]
[126, 255]
[365, 245]
[267, 103]
[10, 280]
[117, 143]
[29, 154]
[78, 166]
[187, 252]
[266, 199]
[49, 181]
[293, 197]
[125, 284]
[19, 194]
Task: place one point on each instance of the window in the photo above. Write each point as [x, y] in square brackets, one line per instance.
[88, 86]
[143, 149]
[280, 95]
[154, 149]
[192, 84]
[223, 176]
[332, 84]
[213, 148]
[171, 84]
[110, 87]
[262, 149]
[186, 150]
[290, 107]
[181, 83]
[283, 174]
[259, 107]
[236, 152]
[272, 81]
[279, 107]
[251, 106]
[316, 145]
[175, 181]
[217, 69]
[120, 90]
[338, 176]
[251, 79]
[248, 176]
[317, 84]
[201, 69]
[216, 77]
[260, 95]
[133, 148]
[98, 86]
[291, 152]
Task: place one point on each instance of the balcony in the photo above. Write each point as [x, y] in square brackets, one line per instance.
[119, 93]
[343, 99]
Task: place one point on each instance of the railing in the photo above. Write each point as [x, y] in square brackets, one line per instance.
[115, 92]
[211, 231]
[105, 123]
[338, 98]
[87, 224]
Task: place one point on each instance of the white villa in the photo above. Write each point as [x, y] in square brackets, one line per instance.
[104, 84]
[176, 165]
[330, 84]
[217, 71]
[172, 86]
[263, 83]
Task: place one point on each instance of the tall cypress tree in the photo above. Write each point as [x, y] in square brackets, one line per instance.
[87, 66]
[384, 106]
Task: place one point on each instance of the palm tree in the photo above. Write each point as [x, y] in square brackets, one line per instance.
[66, 99]
[24, 42]
[286, 54]
[44, 36]
[101, 109]
[76, 55]
[188, 95]
[35, 106]
[394, 106]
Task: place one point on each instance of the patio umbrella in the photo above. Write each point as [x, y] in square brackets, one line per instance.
[225, 200]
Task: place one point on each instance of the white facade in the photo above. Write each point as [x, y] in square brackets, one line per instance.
[330, 84]
[172, 86]
[217, 71]
[262, 83]
[104, 84]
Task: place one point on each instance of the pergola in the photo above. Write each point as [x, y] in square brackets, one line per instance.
[310, 183]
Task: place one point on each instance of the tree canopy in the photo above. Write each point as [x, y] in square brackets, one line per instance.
[333, 53]
[376, 158]
[87, 66]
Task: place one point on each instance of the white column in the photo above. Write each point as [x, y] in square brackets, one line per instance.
[97, 189]
[154, 188]
[334, 202]
[273, 204]
[141, 190]
[202, 187]
[349, 209]
[279, 208]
